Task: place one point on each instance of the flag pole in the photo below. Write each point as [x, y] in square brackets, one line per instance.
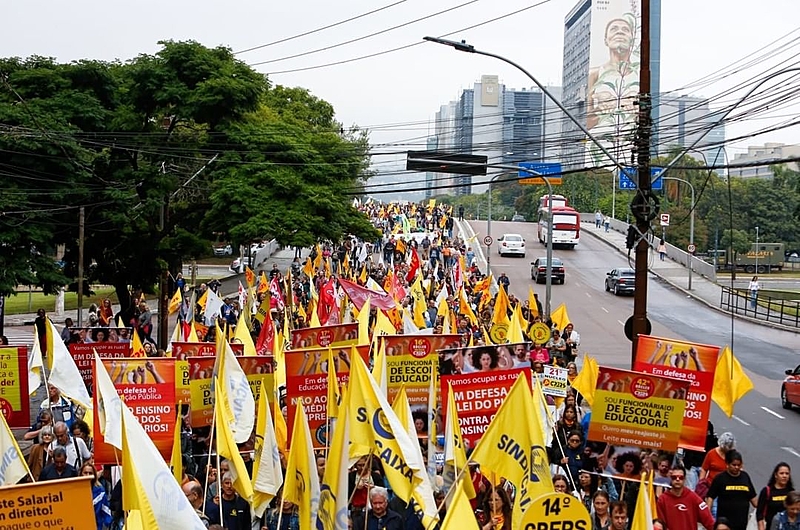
[280, 509]
[219, 489]
[208, 464]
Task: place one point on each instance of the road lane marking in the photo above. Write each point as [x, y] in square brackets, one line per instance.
[604, 309]
[765, 409]
[577, 284]
[740, 420]
[587, 294]
[621, 323]
[792, 451]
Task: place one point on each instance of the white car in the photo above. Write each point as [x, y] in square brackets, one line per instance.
[511, 244]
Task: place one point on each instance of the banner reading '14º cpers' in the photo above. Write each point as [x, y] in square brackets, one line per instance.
[688, 361]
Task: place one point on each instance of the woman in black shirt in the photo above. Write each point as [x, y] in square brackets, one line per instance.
[771, 498]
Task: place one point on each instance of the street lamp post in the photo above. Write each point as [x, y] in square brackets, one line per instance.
[690, 262]
[756, 250]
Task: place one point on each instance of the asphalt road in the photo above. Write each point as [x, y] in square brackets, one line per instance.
[766, 433]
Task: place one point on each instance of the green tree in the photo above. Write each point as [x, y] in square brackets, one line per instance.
[736, 242]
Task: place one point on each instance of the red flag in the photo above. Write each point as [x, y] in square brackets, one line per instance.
[414, 268]
[266, 337]
[398, 291]
[327, 301]
[277, 295]
[358, 295]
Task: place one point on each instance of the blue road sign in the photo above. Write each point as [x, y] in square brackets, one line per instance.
[540, 168]
[627, 178]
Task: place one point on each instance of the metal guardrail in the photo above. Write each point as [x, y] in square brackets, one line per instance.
[776, 309]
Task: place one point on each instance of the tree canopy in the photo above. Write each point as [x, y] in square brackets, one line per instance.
[165, 153]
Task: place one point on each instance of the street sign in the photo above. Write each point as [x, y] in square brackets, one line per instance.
[691, 248]
[488, 241]
[664, 219]
[628, 177]
[542, 169]
[440, 162]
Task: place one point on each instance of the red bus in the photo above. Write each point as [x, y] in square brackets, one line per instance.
[559, 201]
[566, 226]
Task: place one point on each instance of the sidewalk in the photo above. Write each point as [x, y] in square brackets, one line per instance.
[675, 274]
[230, 286]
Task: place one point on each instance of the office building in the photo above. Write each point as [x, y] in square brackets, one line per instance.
[506, 125]
[685, 119]
[600, 79]
[765, 155]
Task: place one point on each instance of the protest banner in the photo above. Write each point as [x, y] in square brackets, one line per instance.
[259, 370]
[554, 381]
[307, 379]
[556, 511]
[83, 355]
[410, 359]
[184, 350]
[63, 505]
[486, 358]
[14, 401]
[636, 409]
[478, 396]
[148, 388]
[324, 336]
[689, 361]
[183, 389]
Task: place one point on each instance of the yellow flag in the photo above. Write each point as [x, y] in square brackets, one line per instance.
[134, 497]
[137, 349]
[363, 322]
[176, 460]
[308, 269]
[376, 429]
[243, 336]
[302, 481]
[460, 515]
[500, 315]
[483, 285]
[383, 325]
[175, 301]
[380, 372]
[334, 395]
[226, 446]
[560, 317]
[203, 299]
[333, 500]
[532, 305]
[642, 515]
[419, 302]
[516, 326]
[12, 463]
[263, 284]
[249, 276]
[363, 277]
[192, 334]
[586, 381]
[455, 455]
[465, 309]
[513, 447]
[318, 258]
[731, 383]
[281, 430]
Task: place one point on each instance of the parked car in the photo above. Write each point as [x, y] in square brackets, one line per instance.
[518, 218]
[511, 244]
[539, 270]
[223, 249]
[790, 390]
[621, 281]
[235, 265]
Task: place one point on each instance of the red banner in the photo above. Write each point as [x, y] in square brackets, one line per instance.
[324, 336]
[478, 396]
[688, 361]
[83, 355]
[148, 388]
[358, 295]
[307, 379]
[184, 350]
[14, 401]
[259, 370]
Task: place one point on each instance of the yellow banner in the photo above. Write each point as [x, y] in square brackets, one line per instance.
[183, 392]
[642, 410]
[65, 504]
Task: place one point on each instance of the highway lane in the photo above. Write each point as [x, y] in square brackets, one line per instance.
[766, 433]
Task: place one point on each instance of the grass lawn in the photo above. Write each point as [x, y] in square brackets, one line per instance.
[22, 303]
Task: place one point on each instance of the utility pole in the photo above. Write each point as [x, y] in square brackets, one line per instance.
[81, 222]
[643, 207]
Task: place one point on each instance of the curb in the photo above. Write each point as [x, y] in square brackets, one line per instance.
[690, 294]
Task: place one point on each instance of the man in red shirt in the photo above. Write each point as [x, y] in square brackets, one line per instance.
[680, 508]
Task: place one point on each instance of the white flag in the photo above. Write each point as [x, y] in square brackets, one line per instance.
[159, 495]
[12, 462]
[65, 375]
[267, 471]
[213, 306]
[35, 365]
[240, 398]
[109, 405]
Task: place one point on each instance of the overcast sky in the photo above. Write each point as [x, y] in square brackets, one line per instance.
[698, 38]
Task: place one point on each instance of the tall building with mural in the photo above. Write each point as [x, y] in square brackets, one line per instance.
[602, 48]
